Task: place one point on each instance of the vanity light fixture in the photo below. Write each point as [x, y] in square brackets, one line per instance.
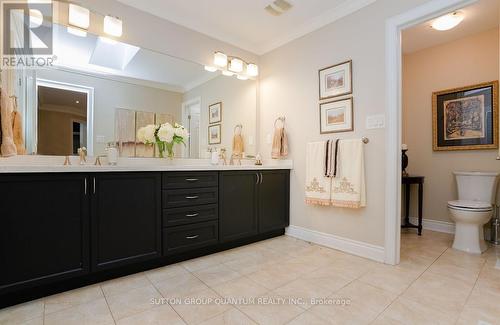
[220, 59]
[448, 21]
[79, 16]
[227, 73]
[113, 26]
[242, 77]
[210, 68]
[252, 70]
[77, 31]
[235, 65]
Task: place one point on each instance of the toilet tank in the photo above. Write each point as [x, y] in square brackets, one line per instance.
[477, 186]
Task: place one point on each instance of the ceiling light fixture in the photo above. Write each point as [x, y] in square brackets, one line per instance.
[220, 59]
[79, 16]
[77, 31]
[227, 73]
[242, 77]
[113, 26]
[235, 65]
[252, 70]
[448, 21]
[210, 68]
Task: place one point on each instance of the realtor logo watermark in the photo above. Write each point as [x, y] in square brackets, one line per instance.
[27, 34]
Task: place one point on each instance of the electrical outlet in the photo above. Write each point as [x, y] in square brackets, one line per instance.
[375, 122]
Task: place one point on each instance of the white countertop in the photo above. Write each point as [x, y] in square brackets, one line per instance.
[55, 164]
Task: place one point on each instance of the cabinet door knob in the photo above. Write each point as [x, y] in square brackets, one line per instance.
[192, 179]
[192, 197]
[192, 237]
[192, 215]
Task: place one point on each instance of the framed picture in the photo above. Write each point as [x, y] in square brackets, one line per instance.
[214, 134]
[336, 116]
[466, 118]
[335, 81]
[215, 113]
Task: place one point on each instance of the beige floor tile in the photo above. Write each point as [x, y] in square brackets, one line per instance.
[203, 262]
[390, 278]
[133, 302]
[72, 298]
[268, 310]
[159, 315]
[180, 285]
[248, 265]
[330, 278]
[406, 311]
[164, 273]
[231, 317]
[308, 318]
[446, 268]
[34, 321]
[217, 274]
[200, 306]
[352, 267]
[90, 313]
[344, 314]
[124, 284]
[309, 290]
[481, 307]
[273, 277]
[241, 287]
[22, 313]
[366, 296]
[443, 292]
[463, 259]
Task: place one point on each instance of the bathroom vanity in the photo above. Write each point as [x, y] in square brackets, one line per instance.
[61, 230]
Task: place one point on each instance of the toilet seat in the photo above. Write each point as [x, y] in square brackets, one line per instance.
[463, 205]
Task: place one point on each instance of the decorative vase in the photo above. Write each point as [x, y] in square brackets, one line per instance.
[167, 147]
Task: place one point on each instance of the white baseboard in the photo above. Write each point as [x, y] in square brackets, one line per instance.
[434, 225]
[354, 247]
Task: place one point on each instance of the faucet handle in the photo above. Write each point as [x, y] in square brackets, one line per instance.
[67, 162]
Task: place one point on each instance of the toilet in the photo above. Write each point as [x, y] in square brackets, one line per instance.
[473, 209]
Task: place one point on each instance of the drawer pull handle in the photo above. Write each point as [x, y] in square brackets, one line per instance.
[192, 215]
[192, 179]
[192, 197]
[192, 237]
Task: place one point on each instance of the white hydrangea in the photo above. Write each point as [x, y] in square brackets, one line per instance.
[147, 134]
[166, 132]
[180, 131]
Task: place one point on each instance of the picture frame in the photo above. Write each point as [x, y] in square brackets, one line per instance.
[214, 134]
[335, 80]
[215, 113]
[336, 116]
[465, 118]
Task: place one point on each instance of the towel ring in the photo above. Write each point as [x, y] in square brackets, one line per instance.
[282, 119]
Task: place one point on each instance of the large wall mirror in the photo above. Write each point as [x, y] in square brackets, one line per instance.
[100, 91]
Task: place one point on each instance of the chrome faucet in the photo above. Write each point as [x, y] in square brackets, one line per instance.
[82, 152]
[235, 157]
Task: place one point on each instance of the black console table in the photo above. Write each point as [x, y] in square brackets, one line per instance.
[407, 182]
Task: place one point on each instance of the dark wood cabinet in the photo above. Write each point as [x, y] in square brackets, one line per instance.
[238, 205]
[44, 229]
[126, 218]
[274, 200]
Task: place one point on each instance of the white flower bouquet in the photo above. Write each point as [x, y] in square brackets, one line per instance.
[165, 136]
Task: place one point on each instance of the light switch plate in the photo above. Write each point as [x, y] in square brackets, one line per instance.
[375, 122]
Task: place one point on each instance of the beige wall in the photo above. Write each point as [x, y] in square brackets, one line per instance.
[239, 105]
[55, 132]
[110, 94]
[289, 87]
[464, 62]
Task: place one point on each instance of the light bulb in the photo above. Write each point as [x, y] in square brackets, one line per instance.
[220, 59]
[252, 70]
[79, 16]
[448, 21]
[236, 65]
[227, 73]
[210, 68]
[242, 77]
[113, 26]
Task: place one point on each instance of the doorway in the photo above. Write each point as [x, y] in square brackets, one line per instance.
[191, 117]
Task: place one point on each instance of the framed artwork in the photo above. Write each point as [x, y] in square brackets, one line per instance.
[335, 81]
[215, 113]
[214, 134]
[466, 118]
[336, 116]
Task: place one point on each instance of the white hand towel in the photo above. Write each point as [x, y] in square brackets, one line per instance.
[349, 189]
[318, 187]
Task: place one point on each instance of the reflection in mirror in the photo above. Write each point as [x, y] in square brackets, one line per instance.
[101, 91]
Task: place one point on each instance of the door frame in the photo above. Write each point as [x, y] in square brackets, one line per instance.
[71, 87]
[393, 63]
[185, 114]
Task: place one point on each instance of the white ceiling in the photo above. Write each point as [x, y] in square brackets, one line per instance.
[481, 16]
[245, 23]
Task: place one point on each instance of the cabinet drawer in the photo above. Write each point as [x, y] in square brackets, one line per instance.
[189, 180]
[184, 238]
[187, 215]
[189, 197]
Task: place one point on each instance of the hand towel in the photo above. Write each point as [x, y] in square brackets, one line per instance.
[280, 144]
[318, 187]
[8, 148]
[349, 189]
[17, 130]
[238, 146]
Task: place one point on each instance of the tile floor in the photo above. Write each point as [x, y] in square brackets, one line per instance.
[273, 282]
